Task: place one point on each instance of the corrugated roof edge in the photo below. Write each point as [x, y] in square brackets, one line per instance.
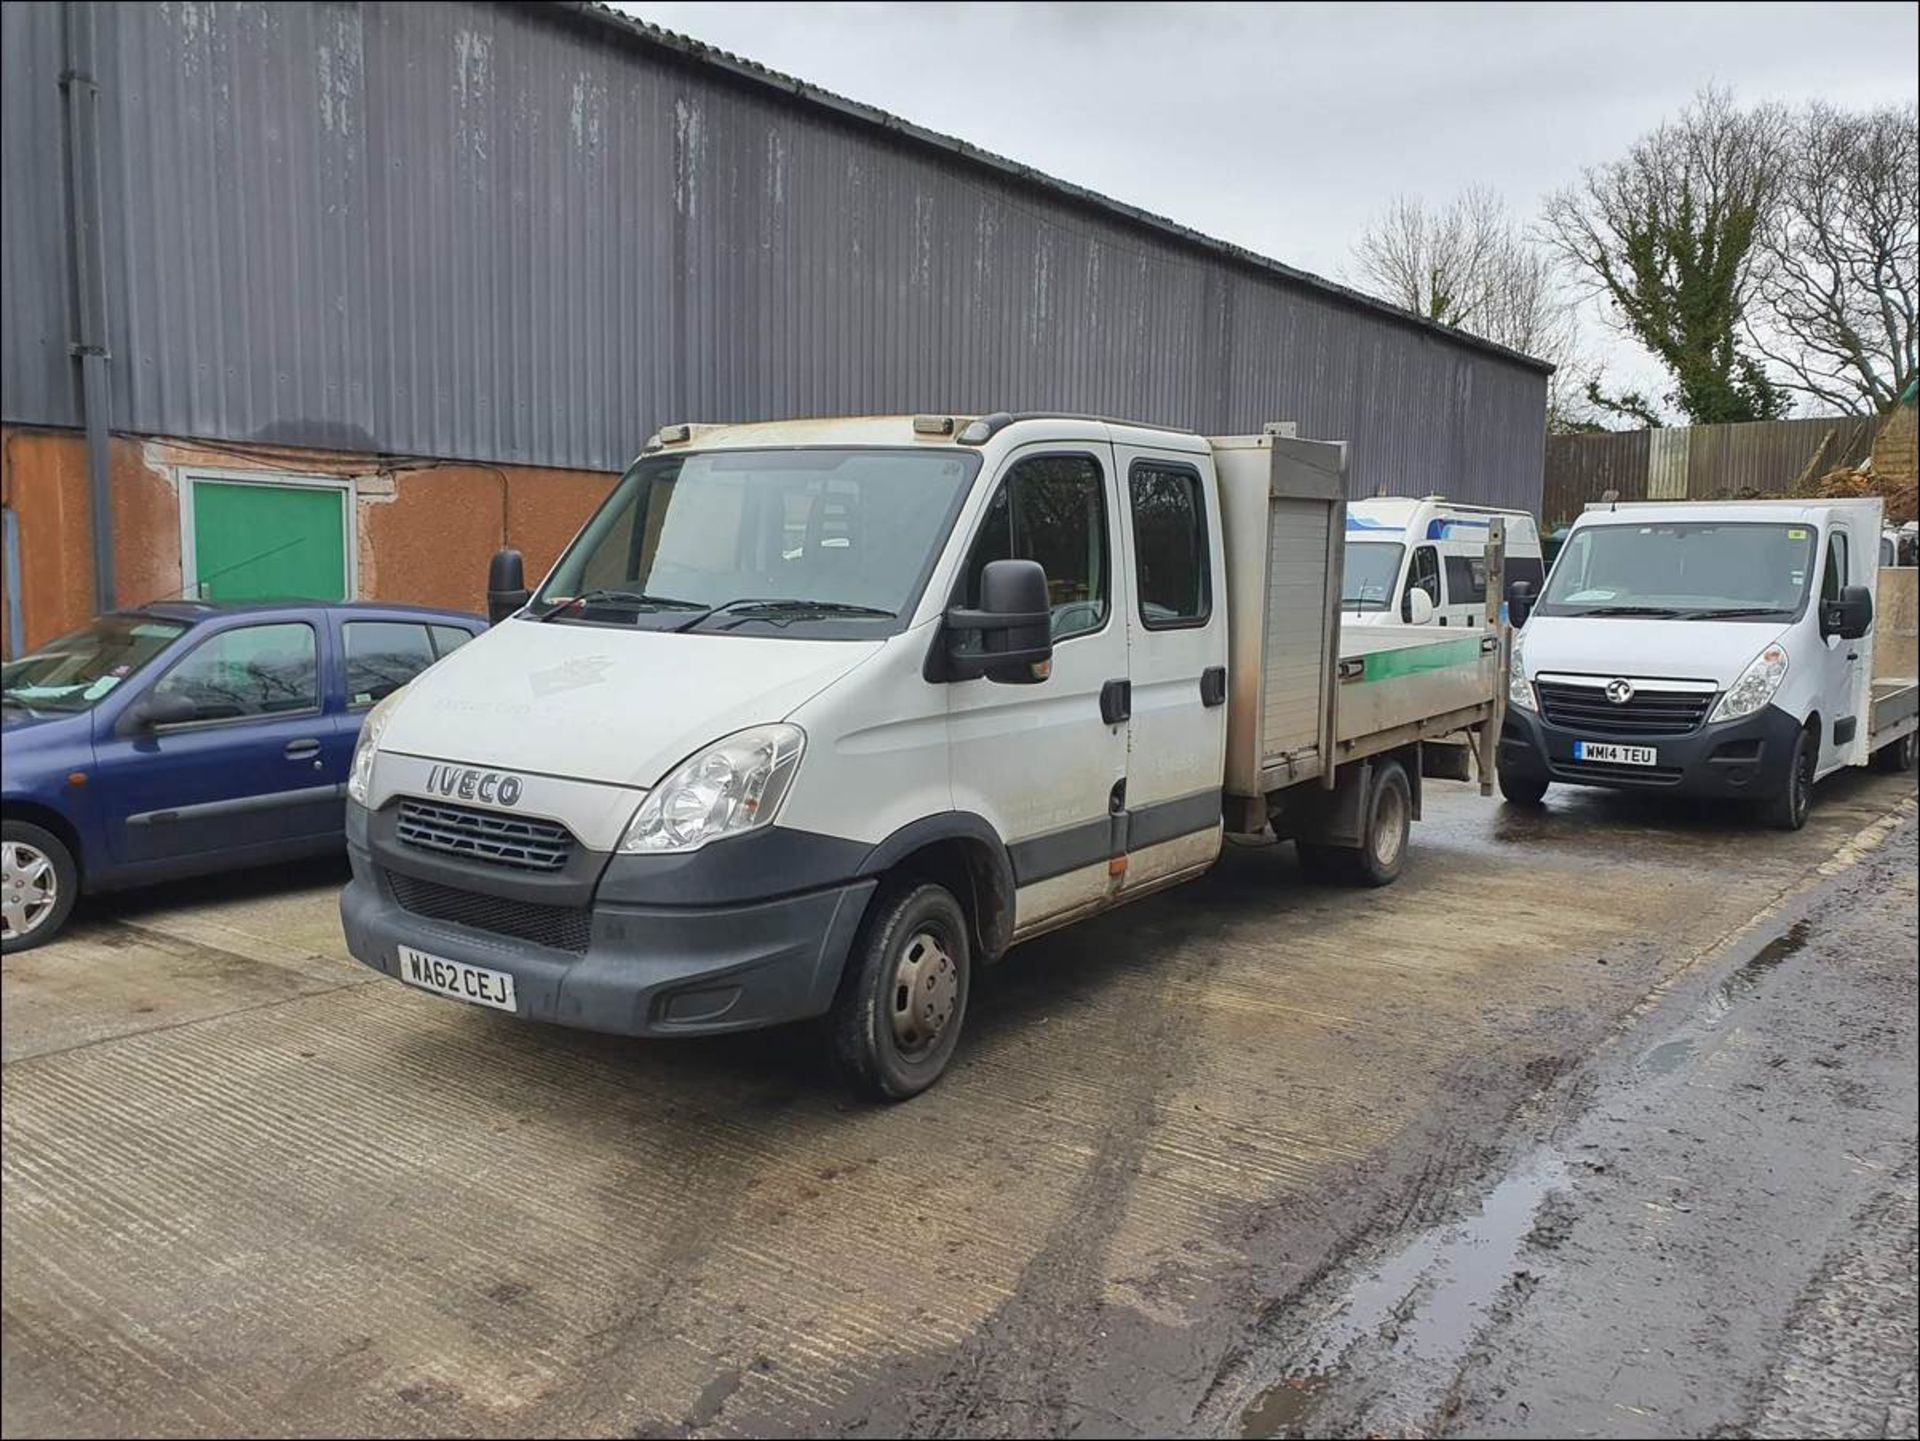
[688, 48]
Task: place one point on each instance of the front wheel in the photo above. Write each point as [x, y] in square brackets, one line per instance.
[38, 882]
[904, 995]
[1787, 811]
[1523, 790]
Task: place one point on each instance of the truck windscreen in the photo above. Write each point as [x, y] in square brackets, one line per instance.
[1372, 566]
[1682, 571]
[824, 542]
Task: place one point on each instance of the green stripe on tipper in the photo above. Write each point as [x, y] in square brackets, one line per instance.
[1415, 659]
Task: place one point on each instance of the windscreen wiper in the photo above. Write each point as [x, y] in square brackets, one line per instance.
[638, 599]
[783, 611]
[1653, 612]
[1733, 612]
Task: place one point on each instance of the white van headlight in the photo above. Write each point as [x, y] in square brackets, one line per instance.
[1755, 687]
[1519, 689]
[733, 785]
[360, 774]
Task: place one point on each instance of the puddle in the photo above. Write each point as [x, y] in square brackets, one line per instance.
[1745, 981]
[1424, 1304]
[1669, 1056]
[1282, 1410]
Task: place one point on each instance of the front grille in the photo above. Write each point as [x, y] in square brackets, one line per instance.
[502, 840]
[1606, 770]
[1585, 708]
[562, 928]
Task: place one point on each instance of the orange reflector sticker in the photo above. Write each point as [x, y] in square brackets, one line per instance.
[1117, 866]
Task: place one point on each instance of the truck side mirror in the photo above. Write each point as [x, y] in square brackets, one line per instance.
[1014, 627]
[506, 585]
[1418, 606]
[1519, 603]
[1849, 617]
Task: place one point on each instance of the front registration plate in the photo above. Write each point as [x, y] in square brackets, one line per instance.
[1615, 755]
[463, 982]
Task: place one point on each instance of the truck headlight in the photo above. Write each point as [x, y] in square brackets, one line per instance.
[1755, 687]
[732, 786]
[360, 774]
[1519, 688]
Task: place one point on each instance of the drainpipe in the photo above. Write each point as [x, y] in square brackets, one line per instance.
[86, 248]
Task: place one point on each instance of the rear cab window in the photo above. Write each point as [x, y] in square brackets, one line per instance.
[1170, 545]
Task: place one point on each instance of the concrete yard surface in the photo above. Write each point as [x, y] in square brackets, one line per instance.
[1208, 1165]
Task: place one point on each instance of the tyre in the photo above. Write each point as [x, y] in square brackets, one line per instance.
[1377, 861]
[1897, 756]
[1389, 823]
[1523, 790]
[38, 884]
[1787, 811]
[904, 996]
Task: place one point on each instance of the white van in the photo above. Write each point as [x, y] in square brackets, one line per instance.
[1724, 649]
[814, 717]
[1422, 562]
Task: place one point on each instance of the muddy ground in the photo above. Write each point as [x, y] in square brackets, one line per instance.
[1601, 1121]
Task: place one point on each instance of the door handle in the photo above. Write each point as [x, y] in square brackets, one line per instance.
[1213, 685]
[1116, 701]
[301, 750]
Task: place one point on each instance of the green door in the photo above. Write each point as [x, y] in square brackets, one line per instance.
[268, 542]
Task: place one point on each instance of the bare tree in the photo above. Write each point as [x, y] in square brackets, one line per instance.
[1435, 263]
[1469, 266]
[1669, 236]
[1839, 285]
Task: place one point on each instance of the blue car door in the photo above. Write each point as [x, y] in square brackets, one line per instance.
[250, 771]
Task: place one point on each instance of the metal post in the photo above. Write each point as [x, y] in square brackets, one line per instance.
[87, 250]
[1488, 751]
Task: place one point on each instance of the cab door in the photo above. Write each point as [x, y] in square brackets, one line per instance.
[1177, 660]
[1844, 691]
[1046, 763]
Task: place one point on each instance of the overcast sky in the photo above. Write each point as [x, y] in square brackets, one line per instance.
[1283, 128]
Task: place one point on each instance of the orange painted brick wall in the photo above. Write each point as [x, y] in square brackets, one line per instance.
[425, 529]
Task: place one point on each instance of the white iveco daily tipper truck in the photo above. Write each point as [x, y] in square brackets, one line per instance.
[814, 717]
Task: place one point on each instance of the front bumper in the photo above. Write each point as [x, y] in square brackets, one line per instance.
[645, 970]
[1734, 759]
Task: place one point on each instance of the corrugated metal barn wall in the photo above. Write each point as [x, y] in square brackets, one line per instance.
[488, 232]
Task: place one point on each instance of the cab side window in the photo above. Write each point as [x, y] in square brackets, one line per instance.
[1466, 580]
[1170, 545]
[1836, 576]
[1053, 509]
[1424, 572]
[257, 670]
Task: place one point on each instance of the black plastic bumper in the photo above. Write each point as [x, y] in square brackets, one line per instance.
[1746, 758]
[646, 970]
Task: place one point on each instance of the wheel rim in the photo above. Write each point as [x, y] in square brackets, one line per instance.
[29, 888]
[926, 987]
[1803, 782]
[1907, 748]
[1389, 813]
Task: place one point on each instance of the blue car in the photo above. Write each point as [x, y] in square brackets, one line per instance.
[187, 737]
